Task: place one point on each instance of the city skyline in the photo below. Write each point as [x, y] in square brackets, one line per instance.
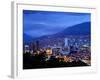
[56, 39]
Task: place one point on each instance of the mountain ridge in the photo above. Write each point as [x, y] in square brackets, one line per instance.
[76, 30]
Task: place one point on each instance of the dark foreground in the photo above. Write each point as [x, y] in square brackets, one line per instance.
[38, 61]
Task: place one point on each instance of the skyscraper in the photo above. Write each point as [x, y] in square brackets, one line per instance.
[66, 42]
[35, 46]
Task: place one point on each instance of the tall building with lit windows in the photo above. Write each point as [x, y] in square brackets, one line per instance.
[66, 42]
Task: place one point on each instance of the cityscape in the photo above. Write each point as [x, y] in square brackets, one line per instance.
[63, 44]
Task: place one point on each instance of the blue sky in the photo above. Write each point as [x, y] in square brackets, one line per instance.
[40, 23]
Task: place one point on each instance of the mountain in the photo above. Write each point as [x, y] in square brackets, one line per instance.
[76, 30]
[79, 29]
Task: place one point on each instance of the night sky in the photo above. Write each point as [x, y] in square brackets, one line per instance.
[40, 23]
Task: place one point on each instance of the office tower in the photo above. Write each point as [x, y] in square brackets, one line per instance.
[35, 46]
[66, 42]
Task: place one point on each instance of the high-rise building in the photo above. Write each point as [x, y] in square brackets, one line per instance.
[26, 48]
[35, 46]
[66, 42]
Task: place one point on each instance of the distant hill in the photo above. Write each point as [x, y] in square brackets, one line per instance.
[79, 29]
[76, 30]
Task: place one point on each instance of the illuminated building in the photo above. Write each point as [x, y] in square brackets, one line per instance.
[66, 42]
[67, 59]
[48, 53]
[26, 48]
[65, 49]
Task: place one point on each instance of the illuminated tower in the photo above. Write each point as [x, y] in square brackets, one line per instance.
[66, 42]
